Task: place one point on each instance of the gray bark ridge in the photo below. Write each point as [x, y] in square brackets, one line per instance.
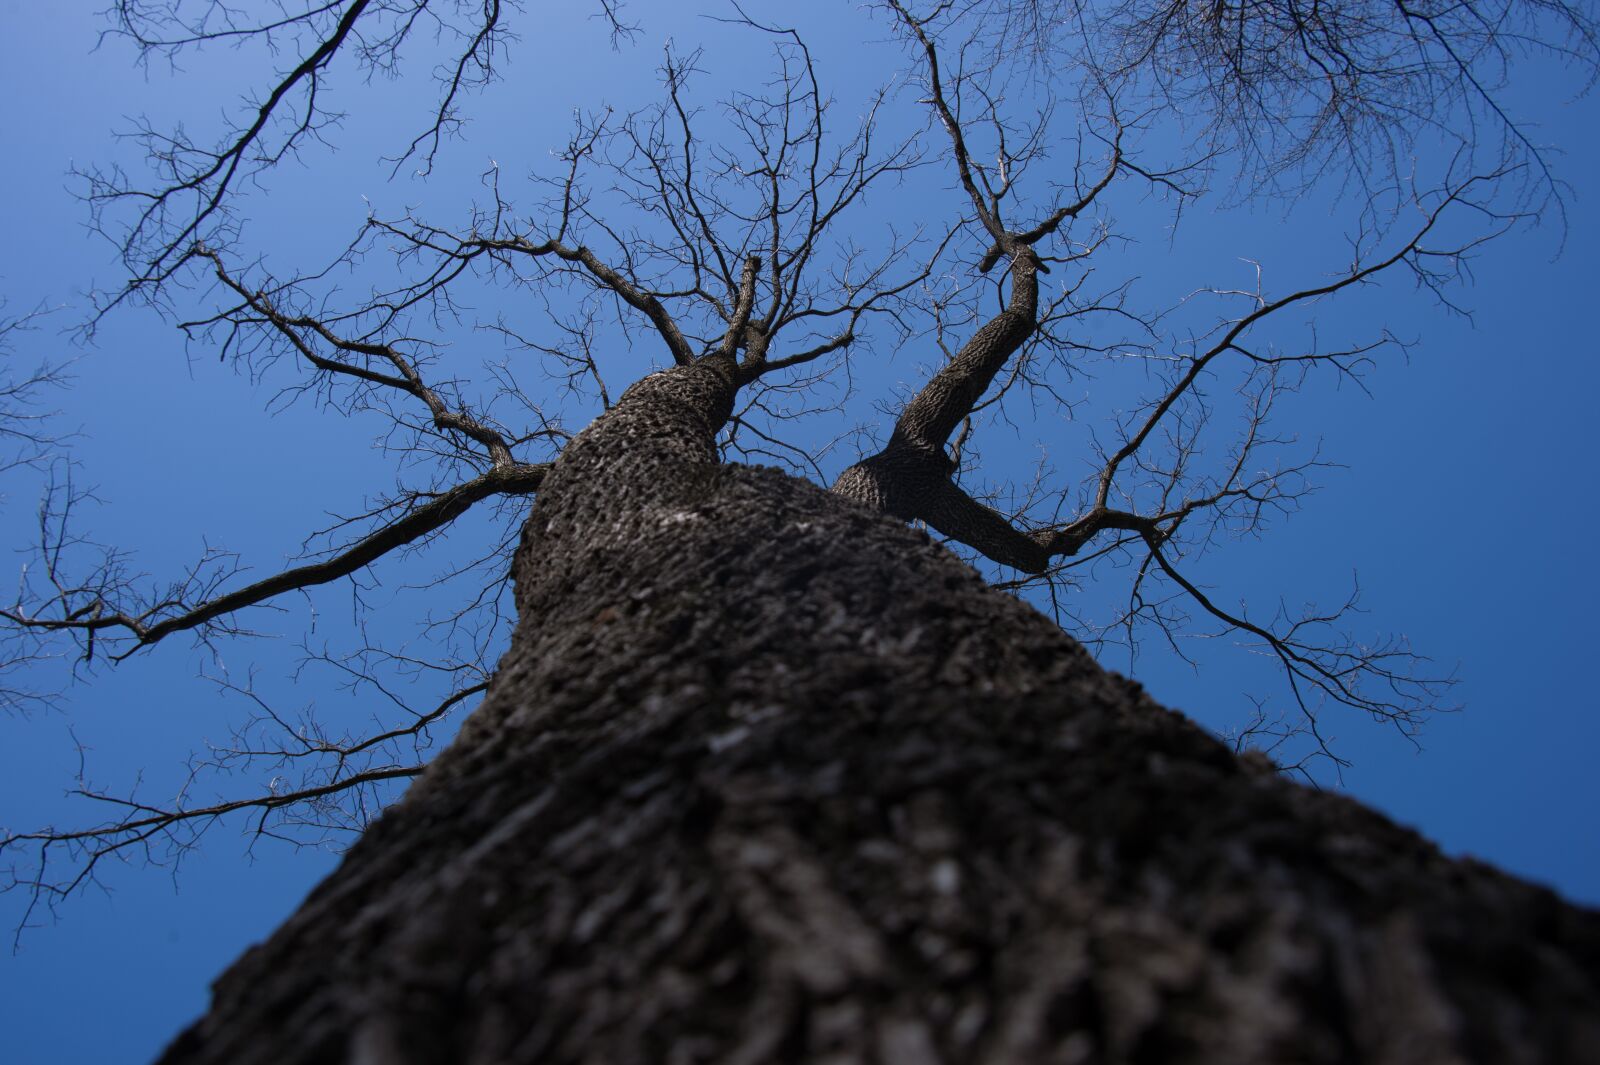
[766, 776]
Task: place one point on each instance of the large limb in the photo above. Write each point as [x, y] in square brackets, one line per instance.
[914, 452]
[950, 510]
[901, 477]
[105, 607]
[90, 612]
[930, 418]
[1321, 661]
[910, 476]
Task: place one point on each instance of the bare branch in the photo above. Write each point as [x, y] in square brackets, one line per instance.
[85, 611]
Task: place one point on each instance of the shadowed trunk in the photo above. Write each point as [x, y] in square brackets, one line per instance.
[767, 776]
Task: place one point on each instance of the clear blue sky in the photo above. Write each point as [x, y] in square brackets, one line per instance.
[1466, 503]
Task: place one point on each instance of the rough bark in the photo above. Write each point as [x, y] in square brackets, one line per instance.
[767, 776]
[911, 478]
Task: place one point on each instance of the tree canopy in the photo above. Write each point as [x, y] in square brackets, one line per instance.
[853, 226]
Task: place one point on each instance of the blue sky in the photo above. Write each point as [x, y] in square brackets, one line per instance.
[1464, 504]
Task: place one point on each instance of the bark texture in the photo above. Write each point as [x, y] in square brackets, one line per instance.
[767, 776]
[912, 477]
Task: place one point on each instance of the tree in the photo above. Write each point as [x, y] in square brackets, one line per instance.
[777, 765]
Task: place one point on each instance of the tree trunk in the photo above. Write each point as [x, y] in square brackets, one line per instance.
[767, 776]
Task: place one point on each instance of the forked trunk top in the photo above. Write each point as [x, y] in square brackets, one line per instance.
[660, 432]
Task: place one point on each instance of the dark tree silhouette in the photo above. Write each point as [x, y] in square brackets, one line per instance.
[765, 773]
